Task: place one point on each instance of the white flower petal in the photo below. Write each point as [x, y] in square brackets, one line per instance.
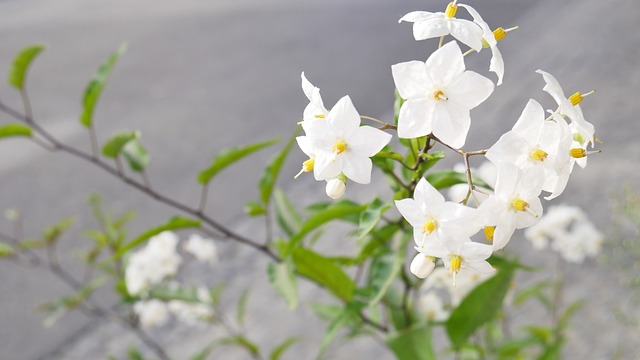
[508, 175]
[451, 124]
[410, 79]
[467, 32]
[552, 87]
[482, 267]
[327, 166]
[415, 16]
[469, 90]
[411, 211]
[497, 64]
[503, 232]
[305, 146]
[445, 64]
[367, 141]
[435, 26]
[428, 198]
[343, 119]
[531, 121]
[357, 168]
[416, 118]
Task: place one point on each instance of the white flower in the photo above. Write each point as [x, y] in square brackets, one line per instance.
[422, 266]
[191, 313]
[152, 313]
[457, 255]
[315, 109]
[583, 131]
[153, 263]
[537, 142]
[427, 25]
[343, 146]
[432, 306]
[515, 203]
[432, 217]
[439, 94]
[336, 188]
[203, 249]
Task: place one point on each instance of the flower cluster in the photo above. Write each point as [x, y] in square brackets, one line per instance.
[568, 231]
[154, 265]
[537, 155]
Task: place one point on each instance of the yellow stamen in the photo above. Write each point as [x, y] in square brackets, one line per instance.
[499, 33]
[320, 116]
[439, 95]
[578, 153]
[576, 98]
[452, 8]
[339, 147]
[539, 155]
[520, 205]
[454, 267]
[429, 226]
[306, 167]
[489, 231]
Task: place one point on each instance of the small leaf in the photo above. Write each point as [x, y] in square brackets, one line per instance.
[136, 155]
[253, 208]
[343, 318]
[370, 217]
[229, 156]
[173, 224]
[389, 155]
[242, 306]
[10, 130]
[53, 232]
[448, 178]
[134, 354]
[283, 279]
[287, 216]
[430, 159]
[412, 344]
[6, 250]
[396, 267]
[242, 342]
[96, 86]
[280, 349]
[271, 172]
[324, 272]
[479, 306]
[113, 147]
[21, 64]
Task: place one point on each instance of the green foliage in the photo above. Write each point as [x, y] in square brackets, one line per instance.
[412, 344]
[283, 279]
[479, 306]
[287, 216]
[114, 146]
[392, 266]
[242, 306]
[11, 130]
[96, 86]
[6, 250]
[53, 232]
[277, 352]
[136, 155]
[271, 172]
[349, 315]
[229, 156]
[253, 208]
[58, 308]
[370, 217]
[21, 64]
[325, 272]
[447, 178]
[134, 354]
[174, 223]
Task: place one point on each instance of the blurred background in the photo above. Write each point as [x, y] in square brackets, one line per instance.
[199, 76]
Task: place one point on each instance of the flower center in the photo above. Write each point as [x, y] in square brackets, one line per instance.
[308, 165]
[320, 116]
[439, 95]
[452, 8]
[489, 231]
[538, 155]
[578, 153]
[499, 33]
[576, 98]
[520, 205]
[339, 147]
[429, 226]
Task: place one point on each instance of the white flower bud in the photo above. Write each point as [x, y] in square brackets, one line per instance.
[336, 188]
[422, 265]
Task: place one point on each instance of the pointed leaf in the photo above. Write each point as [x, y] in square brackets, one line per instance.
[412, 344]
[253, 208]
[173, 224]
[396, 267]
[114, 146]
[325, 272]
[283, 279]
[21, 63]
[370, 217]
[286, 214]
[448, 178]
[10, 130]
[136, 155]
[271, 172]
[229, 156]
[96, 86]
[280, 349]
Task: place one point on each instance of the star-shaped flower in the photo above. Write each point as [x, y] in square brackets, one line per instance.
[439, 94]
[457, 255]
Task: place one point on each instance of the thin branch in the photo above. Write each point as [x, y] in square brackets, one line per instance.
[203, 198]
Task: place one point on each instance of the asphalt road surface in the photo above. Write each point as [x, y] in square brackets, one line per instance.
[200, 76]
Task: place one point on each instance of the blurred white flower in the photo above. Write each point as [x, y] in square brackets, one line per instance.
[202, 248]
[152, 313]
[432, 307]
[153, 263]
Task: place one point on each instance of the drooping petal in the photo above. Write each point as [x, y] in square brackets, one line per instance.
[497, 63]
[469, 89]
[415, 16]
[435, 26]
[357, 168]
[343, 118]
[410, 210]
[451, 124]
[411, 79]
[307, 86]
[503, 231]
[552, 87]
[367, 141]
[467, 32]
[487, 34]
[445, 64]
[416, 118]
[315, 108]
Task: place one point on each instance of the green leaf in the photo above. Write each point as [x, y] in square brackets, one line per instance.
[412, 344]
[10, 130]
[169, 293]
[136, 155]
[271, 172]
[339, 211]
[242, 306]
[113, 147]
[479, 306]
[242, 342]
[430, 159]
[324, 272]
[389, 155]
[229, 156]
[6, 250]
[287, 216]
[174, 223]
[134, 354]
[396, 267]
[253, 208]
[53, 232]
[370, 217]
[280, 349]
[448, 178]
[21, 63]
[283, 279]
[348, 315]
[96, 86]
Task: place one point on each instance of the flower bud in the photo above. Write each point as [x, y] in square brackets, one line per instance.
[336, 188]
[422, 265]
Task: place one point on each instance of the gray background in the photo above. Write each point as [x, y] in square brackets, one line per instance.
[200, 76]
